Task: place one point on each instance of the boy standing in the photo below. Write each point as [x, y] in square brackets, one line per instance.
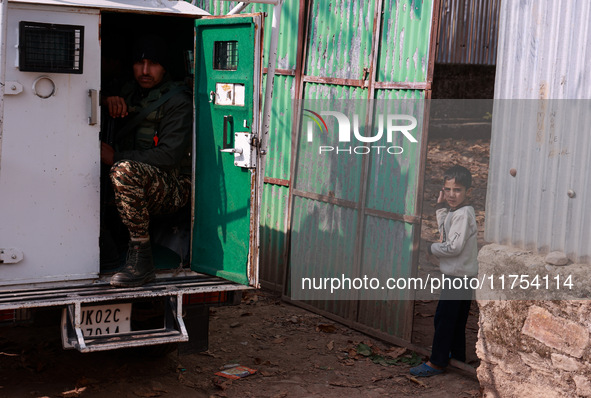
[457, 253]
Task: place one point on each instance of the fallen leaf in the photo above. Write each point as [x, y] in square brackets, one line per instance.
[73, 393]
[395, 352]
[364, 349]
[376, 379]
[417, 381]
[330, 345]
[345, 384]
[326, 328]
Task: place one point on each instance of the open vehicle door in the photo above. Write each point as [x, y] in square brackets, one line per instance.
[227, 157]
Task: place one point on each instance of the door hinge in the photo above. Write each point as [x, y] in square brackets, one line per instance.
[10, 256]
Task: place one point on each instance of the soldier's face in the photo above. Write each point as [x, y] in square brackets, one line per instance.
[148, 73]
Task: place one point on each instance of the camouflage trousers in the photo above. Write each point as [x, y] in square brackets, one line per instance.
[142, 189]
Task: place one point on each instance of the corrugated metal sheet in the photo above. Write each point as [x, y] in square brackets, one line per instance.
[385, 260]
[340, 38]
[404, 46]
[543, 53]
[322, 245]
[328, 175]
[550, 154]
[544, 49]
[332, 190]
[278, 158]
[390, 184]
[215, 7]
[468, 31]
[272, 236]
[288, 38]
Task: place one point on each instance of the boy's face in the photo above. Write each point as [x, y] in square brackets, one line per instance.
[455, 194]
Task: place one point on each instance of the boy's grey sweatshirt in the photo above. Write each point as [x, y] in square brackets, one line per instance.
[458, 250]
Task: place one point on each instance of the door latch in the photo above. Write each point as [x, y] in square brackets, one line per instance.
[244, 150]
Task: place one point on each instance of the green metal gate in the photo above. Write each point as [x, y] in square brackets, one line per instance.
[358, 50]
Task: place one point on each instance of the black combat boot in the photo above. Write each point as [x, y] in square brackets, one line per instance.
[139, 267]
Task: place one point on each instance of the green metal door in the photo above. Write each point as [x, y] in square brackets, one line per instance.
[227, 102]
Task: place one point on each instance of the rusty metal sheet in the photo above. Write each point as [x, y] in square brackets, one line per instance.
[468, 32]
[278, 157]
[404, 43]
[393, 179]
[340, 38]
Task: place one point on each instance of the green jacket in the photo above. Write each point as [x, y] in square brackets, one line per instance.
[171, 123]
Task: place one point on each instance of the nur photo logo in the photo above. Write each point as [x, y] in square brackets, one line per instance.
[349, 134]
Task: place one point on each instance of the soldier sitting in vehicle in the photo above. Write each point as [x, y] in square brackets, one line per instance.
[150, 171]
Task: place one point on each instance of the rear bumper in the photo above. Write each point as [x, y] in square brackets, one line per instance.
[166, 284]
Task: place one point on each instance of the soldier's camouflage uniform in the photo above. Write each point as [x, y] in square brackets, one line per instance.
[151, 173]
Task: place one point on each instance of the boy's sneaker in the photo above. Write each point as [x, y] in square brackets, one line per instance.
[424, 370]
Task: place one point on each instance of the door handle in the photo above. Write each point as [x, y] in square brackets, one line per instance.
[232, 150]
[94, 105]
[228, 120]
[245, 151]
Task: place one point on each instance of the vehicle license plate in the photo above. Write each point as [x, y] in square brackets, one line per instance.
[101, 320]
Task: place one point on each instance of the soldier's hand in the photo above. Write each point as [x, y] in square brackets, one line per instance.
[117, 107]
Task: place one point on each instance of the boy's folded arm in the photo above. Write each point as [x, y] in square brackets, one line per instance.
[455, 239]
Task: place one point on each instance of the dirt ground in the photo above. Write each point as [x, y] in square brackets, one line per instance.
[295, 353]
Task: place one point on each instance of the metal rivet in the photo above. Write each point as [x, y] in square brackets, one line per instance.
[513, 172]
[571, 194]
[13, 256]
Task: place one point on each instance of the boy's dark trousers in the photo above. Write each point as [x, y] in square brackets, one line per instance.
[450, 326]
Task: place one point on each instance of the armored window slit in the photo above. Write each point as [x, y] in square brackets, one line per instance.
[51, 48]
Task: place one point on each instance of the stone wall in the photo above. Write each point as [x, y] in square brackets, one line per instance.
[533, 347]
